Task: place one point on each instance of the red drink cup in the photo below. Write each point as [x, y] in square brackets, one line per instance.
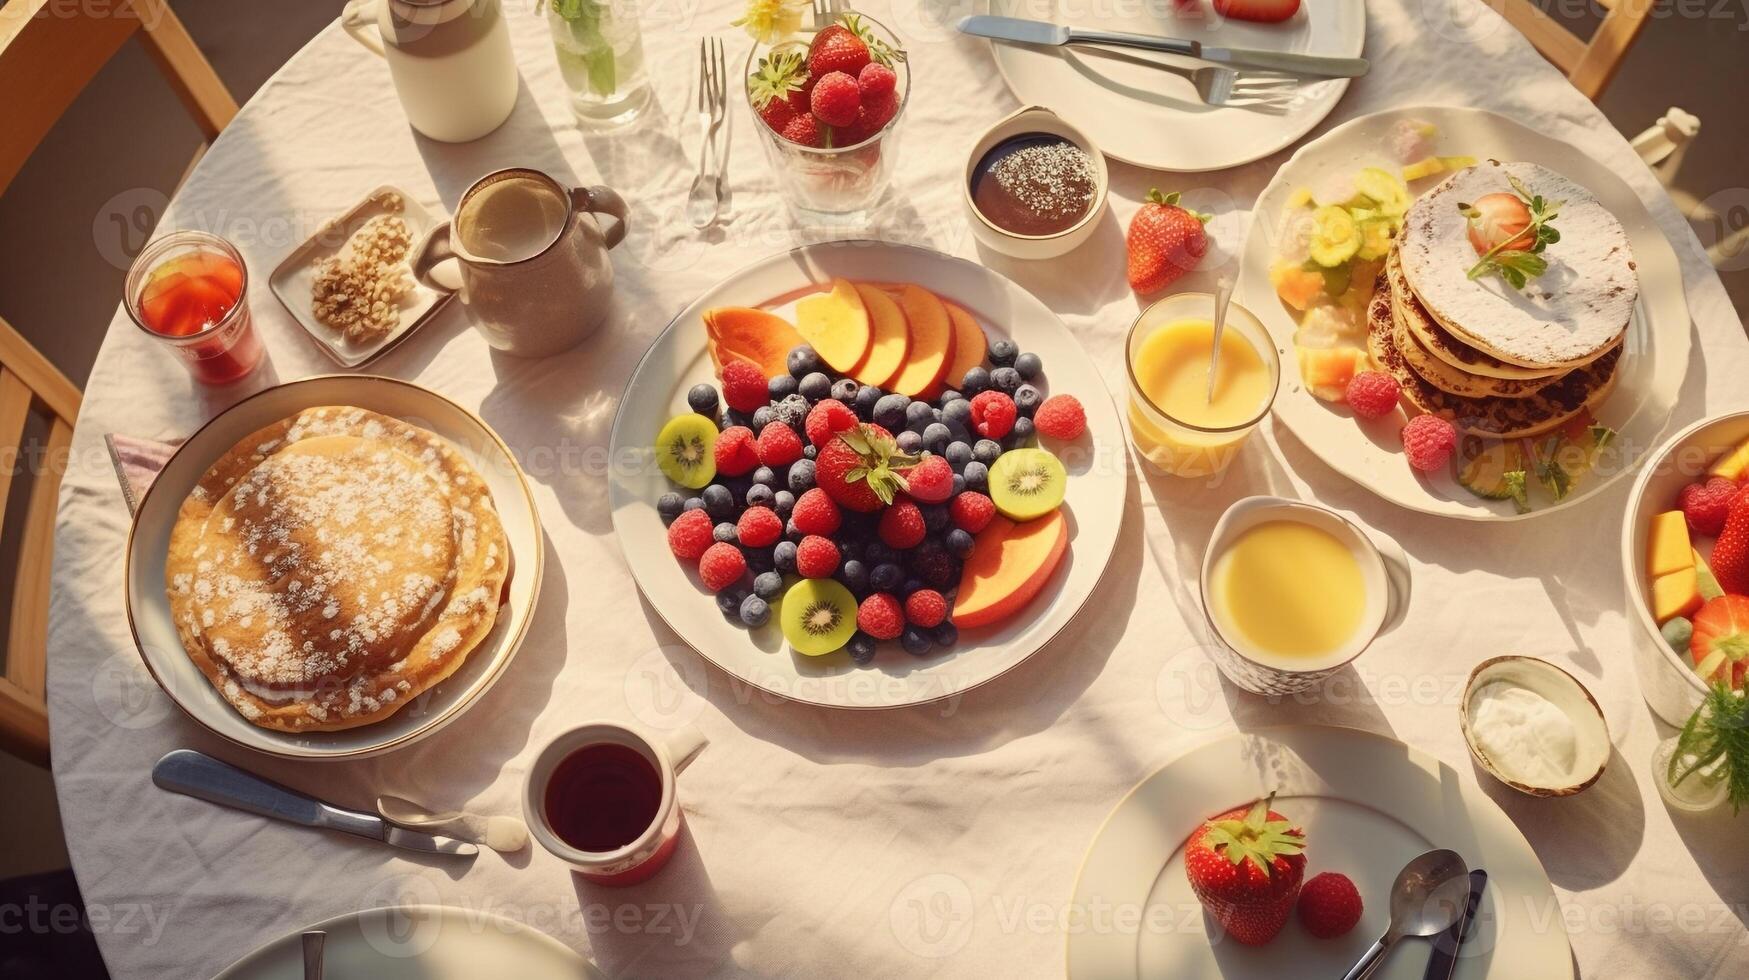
[189, 290]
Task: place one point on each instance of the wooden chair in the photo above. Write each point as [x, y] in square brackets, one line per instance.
[1589, 64]
[51, 49]
[28, 381]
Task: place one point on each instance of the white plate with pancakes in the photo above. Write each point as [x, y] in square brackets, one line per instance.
[1093, 503]
[1570, 340]
[250, 557]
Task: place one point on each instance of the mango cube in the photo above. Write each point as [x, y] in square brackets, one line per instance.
[1669, 548]
[1733, 464]
[1676, 594]
[1327, 371]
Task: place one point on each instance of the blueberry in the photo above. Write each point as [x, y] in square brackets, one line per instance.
[758, 559]
[719, 502]
[977, 380]
[866, 398]
[861, 648]
[765, 476]
[1006, 380]
[733, 416]
[877, 553]
[1027, 400]
[958, 455]
[910, 443]
[737, 487]
[957, 485]
[801, 476]
[987, 451]
[780, 387]
[1020, 435]
[1029, 366]
[783, 502]
[810, 452]
[845, 389]
[958, 410]
[815, 386]
[693, 503]
[755, 612]
[915, 641]
[729, 601]
[935, 518]
[726, 533]
[977, 476]
[670, 505]
[1003, 352]
[911, 585]
[792, 411]
[760, 495]
[768, 585]
[854, 575]
[886, 577]
[850, 547]
[784, 556]
[959, 543]
[703, 400]
[948, 397]
[803, 361]
[918, 415]
[947, 634]
[936, 436]
[889, 412]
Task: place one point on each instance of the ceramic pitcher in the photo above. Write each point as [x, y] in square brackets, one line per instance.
[450, 60]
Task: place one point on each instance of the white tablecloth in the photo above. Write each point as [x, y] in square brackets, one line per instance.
[815, 836]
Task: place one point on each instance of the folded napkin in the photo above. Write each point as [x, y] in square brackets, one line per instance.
[137, 462]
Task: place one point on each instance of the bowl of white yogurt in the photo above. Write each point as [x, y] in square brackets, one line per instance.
[1534, 727]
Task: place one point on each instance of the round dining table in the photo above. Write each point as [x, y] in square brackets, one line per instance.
[937, 840]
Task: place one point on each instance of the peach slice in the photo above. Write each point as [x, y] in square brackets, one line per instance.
[969, 345]
[836, 324]
[892, 337]
[931, 342]
[756, 336]
[1009, 566]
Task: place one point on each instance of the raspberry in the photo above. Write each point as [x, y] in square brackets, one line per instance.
[835, 100]
[721, 566]
[759, 527]
[779, 446]
[744, 387]
[829, 417]
[1329, 905]
[926, 608]
[816, 557]
[690, 535]
[1429, 441]
[1373, 394]
[876, 79]
[803, 130]
[1060, 417]
[971, 511]
[815, 513]
[931, 480]
[931, 563]
[736, 451]
[902, 526]
[881, 617]
[1706, 505]
[877, 111]
[993, 414]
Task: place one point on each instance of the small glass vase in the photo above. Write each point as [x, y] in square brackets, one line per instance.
[601, 56]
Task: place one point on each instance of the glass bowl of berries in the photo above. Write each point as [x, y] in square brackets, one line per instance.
[829, 102]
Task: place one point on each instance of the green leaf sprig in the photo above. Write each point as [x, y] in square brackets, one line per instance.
[1519, 266]
[1718, 729]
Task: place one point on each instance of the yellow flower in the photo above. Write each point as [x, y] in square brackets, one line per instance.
[770, 21]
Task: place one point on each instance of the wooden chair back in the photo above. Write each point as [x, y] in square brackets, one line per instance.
[28, 382]
[1589, 64]
[51, 49]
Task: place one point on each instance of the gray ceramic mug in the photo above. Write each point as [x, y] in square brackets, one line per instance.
[530, 259]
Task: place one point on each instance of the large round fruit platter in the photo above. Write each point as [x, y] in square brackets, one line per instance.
[876, 475]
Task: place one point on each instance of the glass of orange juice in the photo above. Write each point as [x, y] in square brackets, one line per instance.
[1174, 423]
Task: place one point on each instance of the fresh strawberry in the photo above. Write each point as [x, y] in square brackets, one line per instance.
[860, 468]
[1245, 866]
[1262, 11]
[744, 388]
[837, 48]
[1329, 905]
[804, 130]
[1165, 241]
[1730, 558]
[902, 526]
[876, 79]
[836, 99]
[1720, 644]
[931, 480]
[878, 110]
[774, 86]
[737, 451]
[828, 418]
[777, 114]
[1500, 218]
[1707, 505]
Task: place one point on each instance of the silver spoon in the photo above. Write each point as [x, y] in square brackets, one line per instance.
[500, 833]
[314, 940]
[1223, 295]
[1429, 896]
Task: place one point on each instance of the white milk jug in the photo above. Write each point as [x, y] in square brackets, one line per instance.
[450, 60]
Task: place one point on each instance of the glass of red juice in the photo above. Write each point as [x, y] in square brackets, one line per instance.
[189, 290]
[603, 798]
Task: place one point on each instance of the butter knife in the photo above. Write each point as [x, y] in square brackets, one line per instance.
[203, 777]
[1042, 32]
[1443, 963]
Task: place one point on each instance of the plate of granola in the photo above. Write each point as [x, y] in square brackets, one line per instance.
[349, 285]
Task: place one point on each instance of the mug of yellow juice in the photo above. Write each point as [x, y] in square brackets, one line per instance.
[1293, 592]
[1174, 422]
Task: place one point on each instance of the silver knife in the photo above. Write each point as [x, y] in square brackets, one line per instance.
[1442, 963]
[1043, 32]
[203, 777]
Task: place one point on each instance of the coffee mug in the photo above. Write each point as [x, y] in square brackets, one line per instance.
[1384, 571]
[598, 765]
[529, 259]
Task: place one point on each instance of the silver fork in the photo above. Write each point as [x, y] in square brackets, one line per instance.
[1266, 91]
[706, 196]
[827, 11]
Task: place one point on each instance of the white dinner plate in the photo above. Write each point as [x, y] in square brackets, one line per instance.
[1367, 804]
[419, 942]
[148, 607]
[1653, 363]
[1151, 118]
[678, 360]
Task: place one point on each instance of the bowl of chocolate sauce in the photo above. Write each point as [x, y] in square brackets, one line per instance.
[1035, 186]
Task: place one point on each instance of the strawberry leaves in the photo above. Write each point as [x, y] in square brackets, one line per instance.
[1519, 265]
[881, 462]
[1256, 838]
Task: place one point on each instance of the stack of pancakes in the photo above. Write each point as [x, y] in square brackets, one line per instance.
[332, 567]
[1496, 361]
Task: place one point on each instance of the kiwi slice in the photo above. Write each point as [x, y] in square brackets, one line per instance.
[686, 450]
[1027, 483]
[818, 616]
